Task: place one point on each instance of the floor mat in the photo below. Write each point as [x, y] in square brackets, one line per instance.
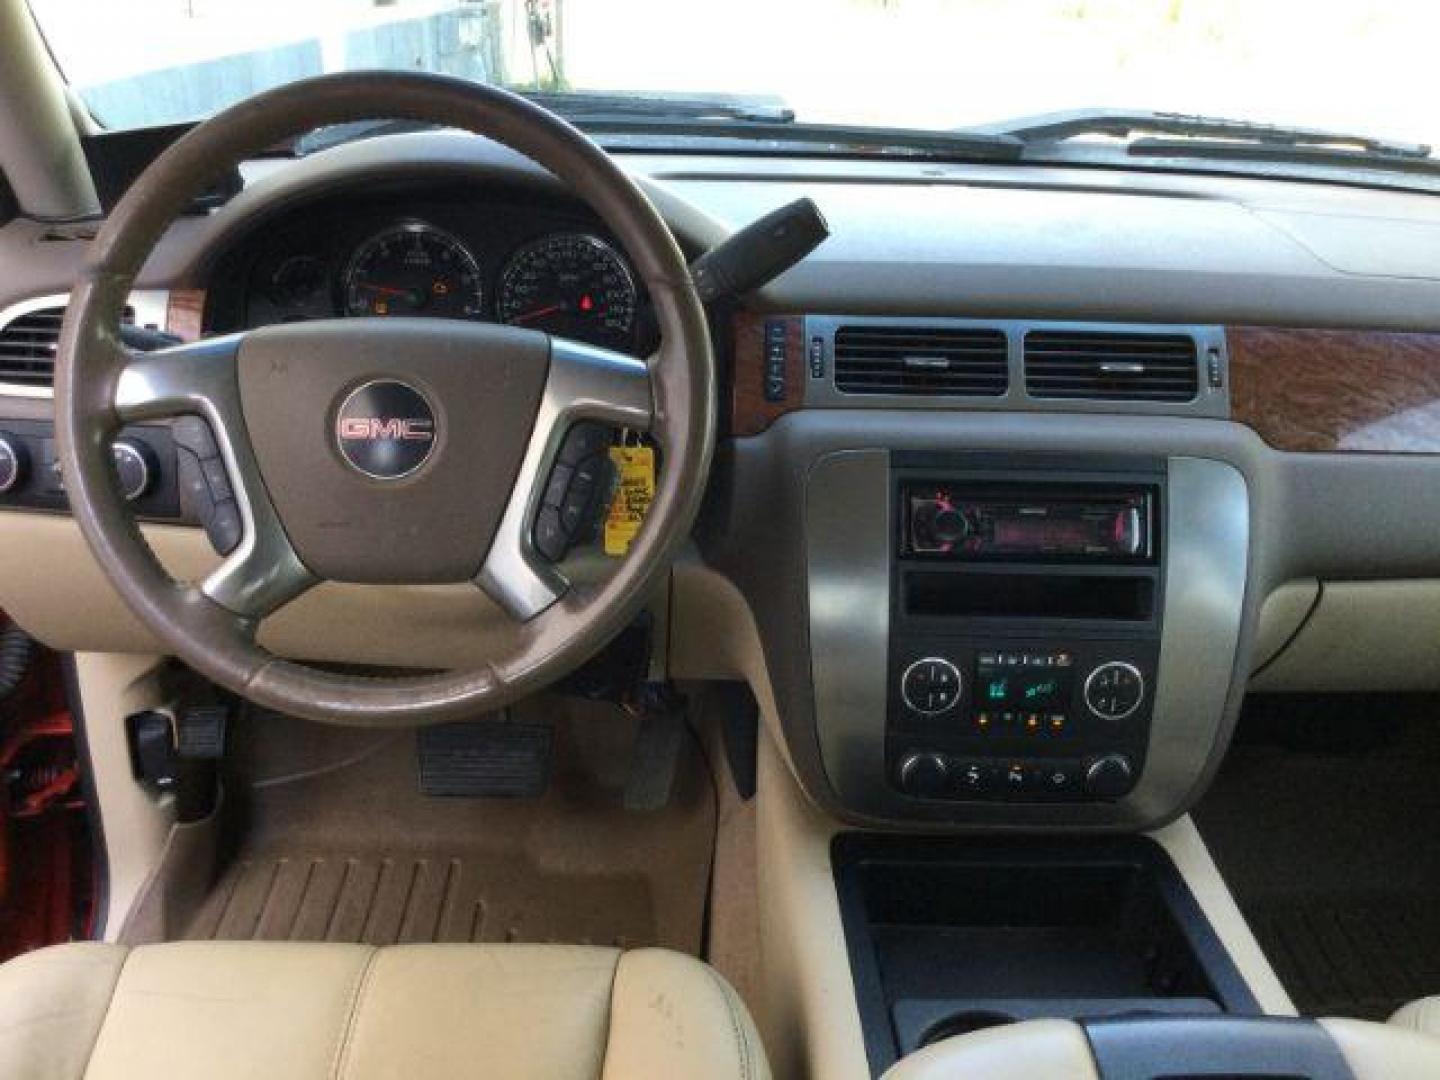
[337, 844]
[1331, 858]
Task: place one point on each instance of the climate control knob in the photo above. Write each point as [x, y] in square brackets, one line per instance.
[924, 775]
[14, 460]
[1109, 777]
[931, 686]
[1114, 690]
[135, 465]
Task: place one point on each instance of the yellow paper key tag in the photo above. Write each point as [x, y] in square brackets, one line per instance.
[633, 496]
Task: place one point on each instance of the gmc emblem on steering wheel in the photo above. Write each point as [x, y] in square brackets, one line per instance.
[385, 429]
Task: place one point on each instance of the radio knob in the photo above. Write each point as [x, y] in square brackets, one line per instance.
[135, 465]
[924, 775]
[950, 526]
[1109, 777]
[1114, 690]
[14, 460]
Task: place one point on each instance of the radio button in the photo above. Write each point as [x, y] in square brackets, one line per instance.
[931, 686]
[1114, 690]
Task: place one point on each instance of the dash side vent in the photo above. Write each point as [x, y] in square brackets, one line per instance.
[28, 344]
[1111, 366]
[922, 361]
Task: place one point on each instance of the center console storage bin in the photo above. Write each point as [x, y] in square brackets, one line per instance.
[947, 936]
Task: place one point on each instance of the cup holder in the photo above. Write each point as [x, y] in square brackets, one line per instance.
[964, 1023]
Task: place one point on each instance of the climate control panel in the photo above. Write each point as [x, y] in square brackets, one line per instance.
[1030, 721]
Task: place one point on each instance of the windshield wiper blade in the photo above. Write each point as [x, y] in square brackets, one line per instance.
[585, 105]
[1058, 127]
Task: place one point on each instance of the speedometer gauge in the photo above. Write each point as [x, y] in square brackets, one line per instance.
[571, 285]
[413, 269]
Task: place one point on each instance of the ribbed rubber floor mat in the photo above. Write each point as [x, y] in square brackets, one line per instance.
[382, 901]
[330, 837]
[1352, 958]
[1330, 853]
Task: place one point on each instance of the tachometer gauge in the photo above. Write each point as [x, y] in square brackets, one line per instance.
[413, 269]
[571, 285]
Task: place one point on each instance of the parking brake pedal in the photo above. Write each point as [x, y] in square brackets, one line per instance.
[497, 757]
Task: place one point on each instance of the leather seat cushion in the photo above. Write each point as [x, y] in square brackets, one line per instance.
[1422, 1015]
[292, 1011]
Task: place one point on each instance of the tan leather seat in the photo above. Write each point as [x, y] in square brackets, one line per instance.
[1422, 1015]
[223, 1010]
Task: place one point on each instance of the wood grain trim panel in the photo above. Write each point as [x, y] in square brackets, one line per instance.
[750, 411]
[185, 313]
[1337, 390]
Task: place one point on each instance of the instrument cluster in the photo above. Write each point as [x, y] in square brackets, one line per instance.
[438, 256]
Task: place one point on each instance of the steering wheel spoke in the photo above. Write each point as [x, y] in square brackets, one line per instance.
[584, 383]
[263, 572]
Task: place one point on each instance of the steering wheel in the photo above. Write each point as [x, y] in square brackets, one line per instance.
[384, 450]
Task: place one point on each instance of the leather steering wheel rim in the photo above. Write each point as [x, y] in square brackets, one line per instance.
[95, 396]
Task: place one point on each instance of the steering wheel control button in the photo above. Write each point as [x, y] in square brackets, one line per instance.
[924, 775]
[205, 489]
[385, 429]
[135, 465]
[585, 441]
[1114, 690]
[14, 460]
[931, 686]
[578, 487]
[1109, 777]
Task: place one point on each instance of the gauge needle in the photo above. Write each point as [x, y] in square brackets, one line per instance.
[388, 290]
[538, 313]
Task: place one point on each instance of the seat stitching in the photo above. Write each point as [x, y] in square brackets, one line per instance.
[90, 1055]
[737, 1028]
[360, 987]
[610, 1015]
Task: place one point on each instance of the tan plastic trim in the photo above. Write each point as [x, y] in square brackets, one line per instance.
[1363, 636]
[810, 1021]
[39, 144]
[136, 826]
[1183, 843]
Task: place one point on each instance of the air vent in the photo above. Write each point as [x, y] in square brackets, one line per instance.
[1110, 366]
[27, 346]
[921, 360]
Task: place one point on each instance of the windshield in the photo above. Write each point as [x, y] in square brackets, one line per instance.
[1362, 67]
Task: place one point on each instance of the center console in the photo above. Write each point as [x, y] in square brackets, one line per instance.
[1034, 639]
[1025, 628]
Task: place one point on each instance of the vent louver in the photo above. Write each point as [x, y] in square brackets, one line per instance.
[28, 343]
[1110, 366]
[921, 360]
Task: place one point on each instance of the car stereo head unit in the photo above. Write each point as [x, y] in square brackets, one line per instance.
[975, 521]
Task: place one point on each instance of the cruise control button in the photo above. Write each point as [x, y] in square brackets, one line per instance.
[550, 538]
[557, 485]
[585, 440]
[216, 478]
[224, 527]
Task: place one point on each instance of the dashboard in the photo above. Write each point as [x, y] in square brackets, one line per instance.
[936, 338]
[450, 251]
